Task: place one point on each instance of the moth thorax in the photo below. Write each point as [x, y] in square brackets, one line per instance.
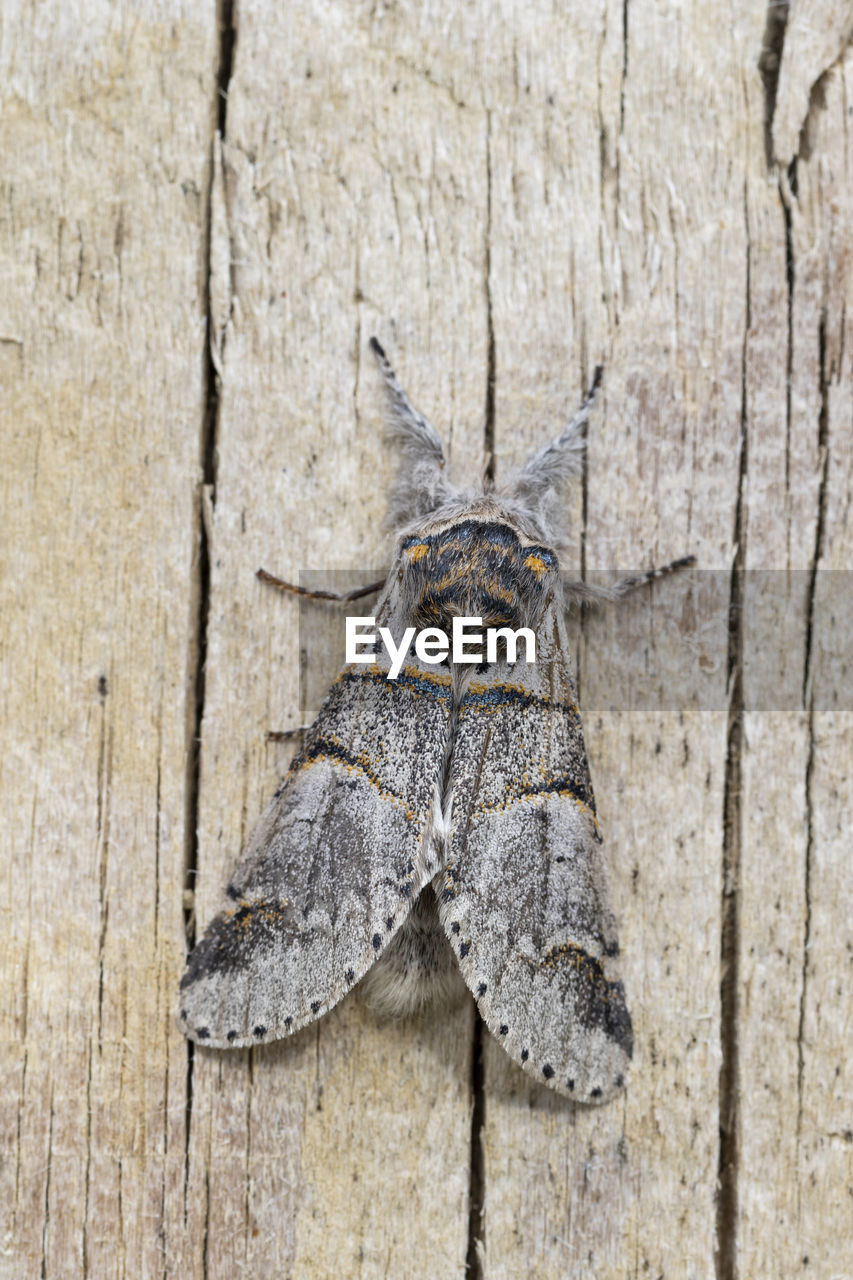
[477, 569]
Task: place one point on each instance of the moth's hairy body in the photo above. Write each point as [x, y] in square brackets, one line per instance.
[440, 827]
[418, 968]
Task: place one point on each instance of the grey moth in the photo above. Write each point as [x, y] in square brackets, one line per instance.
[438, 831]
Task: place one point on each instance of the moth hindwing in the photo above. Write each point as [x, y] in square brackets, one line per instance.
[440, 823]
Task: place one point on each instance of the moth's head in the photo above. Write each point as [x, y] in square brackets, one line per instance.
[486, 506]
[424, 501]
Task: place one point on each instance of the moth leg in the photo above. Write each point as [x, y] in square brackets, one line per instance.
[587, 593]
[343, 597]
[285, 735]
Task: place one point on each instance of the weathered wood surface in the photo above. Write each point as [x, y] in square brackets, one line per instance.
[553, 187]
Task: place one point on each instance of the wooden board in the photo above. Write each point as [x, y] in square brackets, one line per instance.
[105, 122]
[506, 198]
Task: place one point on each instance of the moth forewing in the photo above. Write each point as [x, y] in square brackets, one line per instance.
[525, 903]
[335, 863]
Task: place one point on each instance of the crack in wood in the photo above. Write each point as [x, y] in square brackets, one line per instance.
[808, 700]
[491, 373]
[788, 193]
[769, 64]
[725, 1254]
[476, 1171]
[198, 639]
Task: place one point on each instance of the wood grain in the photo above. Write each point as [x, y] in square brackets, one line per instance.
[205, 216]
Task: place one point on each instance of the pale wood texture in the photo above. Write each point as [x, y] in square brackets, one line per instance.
[555, 186]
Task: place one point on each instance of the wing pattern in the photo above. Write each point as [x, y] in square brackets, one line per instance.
[525, 902]
[334, 864]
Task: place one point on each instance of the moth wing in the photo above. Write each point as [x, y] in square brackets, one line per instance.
[335, 862]
[525, 902]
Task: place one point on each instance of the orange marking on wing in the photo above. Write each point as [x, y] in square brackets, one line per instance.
[362, 765]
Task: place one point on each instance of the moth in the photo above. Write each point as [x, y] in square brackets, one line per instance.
[438, 831]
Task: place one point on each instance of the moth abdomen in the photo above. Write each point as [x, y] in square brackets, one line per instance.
[418, 969]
